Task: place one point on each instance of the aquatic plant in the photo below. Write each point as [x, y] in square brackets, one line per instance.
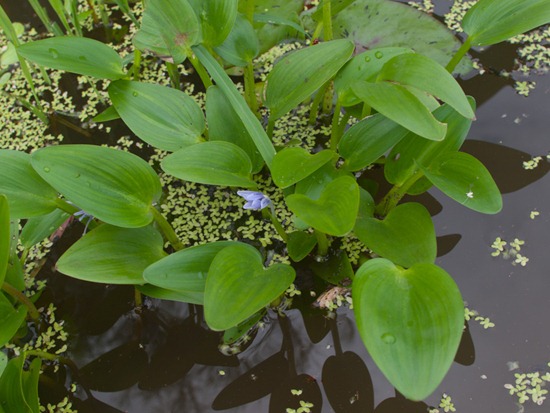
[410, 116]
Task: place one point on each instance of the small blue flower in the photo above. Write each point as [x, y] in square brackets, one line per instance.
[81, 216]
[254, 200]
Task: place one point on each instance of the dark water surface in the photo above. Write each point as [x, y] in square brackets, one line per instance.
[179, 368]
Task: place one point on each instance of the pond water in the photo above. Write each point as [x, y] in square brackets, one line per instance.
[185, 372]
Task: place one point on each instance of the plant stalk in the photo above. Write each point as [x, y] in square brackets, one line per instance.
[167, 230]
[459, 55]
[327, 21]
[23, 299]
[201, 71]
[249, 6]
[278, 227]
[395, 194]
[250, 88]
[322, 243]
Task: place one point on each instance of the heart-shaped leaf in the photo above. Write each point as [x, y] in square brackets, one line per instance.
[176, 122]
[4, 237]
[241, 46]
[113, 255]
[291, 165]
[410, 321]
[238, 286]
[463, 178]
[368, 140]
[28, 194]
[364, 66]
[412, 151]
[493, 21]
[185, 271]
[176, 23]
[423, 73]
[116, 187]
[295, 77]
[334, 212]
[300, 244]
[211, 163]
[75, 54]
[225, 125]
[406, 236]
[398, 104]
[216, 19]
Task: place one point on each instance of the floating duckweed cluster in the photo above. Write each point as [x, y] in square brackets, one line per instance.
[426, 6]
[511, 252]
[485, 322]
[529, 386]
[305, 407]
[64, 406]
[532, 163]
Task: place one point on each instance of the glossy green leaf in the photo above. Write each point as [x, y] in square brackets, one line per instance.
[335, 269]
[300, 244]
[107, 115]
[185, 271]
[242, 45]
[368, 140]
[38, 228]
[149, 38]
[3, 363]
[381, 23]
[235, 333]
[12, 396]
[176, 24]
[211, 163]
[364, 66]
[493, 21]
[10, 319]
[236, 100]
[334, 212]
[410, 321]
[114, 186]
[278, 20]
[176, 121]
[4, 238]
[412, 151]
[298, 75]
[171, 295]
[28, 194]
[398, 104]
[314, 184]
[464, 179]
[291, 165]
[216, 19]
[225, 125]
[113, 255]
[7, 26]
[423, 73]
[79, 55]
[29, 383]
[238, 286]
[405, 236]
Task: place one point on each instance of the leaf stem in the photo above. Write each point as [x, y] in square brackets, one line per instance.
[250, 88]
[278, 227]
[314, 110]
[54, 357]
[137, 64]
[23, 299]
[322, 243]
[201, 71]
[459, 55]
[167, 230]
[334, 135]
[249, 6]
[395, 194]
[327, 21]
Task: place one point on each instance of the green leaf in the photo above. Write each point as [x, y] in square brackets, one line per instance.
[410, 321]
[368, 140]
[314, 184]
[364, 66]
[12, 397]
[236, 100]
[238, 286]
[38, 228]
[10, 319]
[176, 24]
[28, 194]
[29, 382]
[216, 19]
[381, 23]
[241, 46]
[225, 125]
[300, 244]
[278, 20]
[75, 54]
[400, 105]
[414, 151]
[149, 38]
[114, 186]
[185, 271]
[493, 21]
[291, 165]
[406, 236]
[113, 255]
[211, 163]
[107, 115]
[463, 178]
[335, 269]
[423, 73]
[3, 361]
[4, 238]
[176, 121]
[172, 295]
[298, 75]
[235, 333]
[7, 26]
[334, 212]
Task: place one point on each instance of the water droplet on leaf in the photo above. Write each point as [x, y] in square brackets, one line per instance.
[388, 338]
[135, 94]
[46, 169]
[367, 58]
[379, 55]
[54, 53]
